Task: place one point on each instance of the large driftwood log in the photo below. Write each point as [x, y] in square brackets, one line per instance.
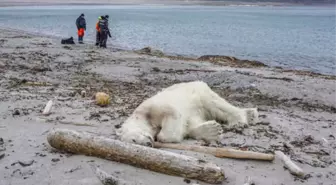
[218, 152]
[140, 156]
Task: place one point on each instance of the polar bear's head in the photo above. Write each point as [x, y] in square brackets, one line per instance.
[137, 130]
[136, 137]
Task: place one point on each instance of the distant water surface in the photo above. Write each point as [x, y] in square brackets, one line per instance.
[292, 37]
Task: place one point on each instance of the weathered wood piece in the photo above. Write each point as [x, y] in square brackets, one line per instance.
[218, 152]
[289, 164]
[47, 109]
[139, 156]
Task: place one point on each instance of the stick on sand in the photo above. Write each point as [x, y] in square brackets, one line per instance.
[47, 109]
[289, 164]
[218, 152]
[139, 156]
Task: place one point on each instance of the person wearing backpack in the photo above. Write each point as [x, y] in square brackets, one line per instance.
[98, 30]
[104, 31]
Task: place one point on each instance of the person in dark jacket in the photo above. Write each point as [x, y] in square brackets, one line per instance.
[81, 27]
[98, 30]
[104, 31]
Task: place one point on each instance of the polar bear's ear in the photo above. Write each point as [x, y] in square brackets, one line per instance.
[148, 115]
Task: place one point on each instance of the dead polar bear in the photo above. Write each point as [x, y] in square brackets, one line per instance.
[183, 110]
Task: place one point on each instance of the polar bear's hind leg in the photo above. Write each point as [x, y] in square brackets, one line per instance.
[223, 111]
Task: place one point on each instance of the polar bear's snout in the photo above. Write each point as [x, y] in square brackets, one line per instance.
[139, 138]
[149, 143]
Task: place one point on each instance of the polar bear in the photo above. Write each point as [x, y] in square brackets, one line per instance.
[189, 109]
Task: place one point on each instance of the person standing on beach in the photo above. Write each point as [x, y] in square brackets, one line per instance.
[104, 31]
[98, 30]
[81, 27]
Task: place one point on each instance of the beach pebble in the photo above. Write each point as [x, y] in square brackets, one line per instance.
[83, 93]
[55, 160]
[72, 94]
[187, 181]
[26, 163]
[16, 112]
[319, 175]
[104, 118]
[2, 156]
[156, 69]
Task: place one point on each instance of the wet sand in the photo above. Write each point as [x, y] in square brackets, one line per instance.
[297, 112]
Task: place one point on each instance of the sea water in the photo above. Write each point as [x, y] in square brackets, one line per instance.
[298, 37]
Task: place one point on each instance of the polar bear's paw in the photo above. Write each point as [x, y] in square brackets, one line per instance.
[248, 116]
[252, 115]
[208, 131]
[236, 125]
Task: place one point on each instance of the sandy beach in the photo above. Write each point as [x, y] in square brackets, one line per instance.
[297, 112]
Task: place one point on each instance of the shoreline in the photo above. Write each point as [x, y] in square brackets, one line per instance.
[159, 3]
[216, 59]
[296, 112]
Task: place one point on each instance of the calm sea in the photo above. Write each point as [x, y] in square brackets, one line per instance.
[292, 37]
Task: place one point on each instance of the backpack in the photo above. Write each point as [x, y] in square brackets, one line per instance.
[68, 41]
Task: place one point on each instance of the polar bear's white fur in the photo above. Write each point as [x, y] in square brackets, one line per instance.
[182, 110]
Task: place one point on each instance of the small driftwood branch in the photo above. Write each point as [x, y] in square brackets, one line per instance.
[218, 152]
[65, 122]
[47, 109]
[108, 179]
[75, 123]
[139, 156]
[289, 164]
[38, 83]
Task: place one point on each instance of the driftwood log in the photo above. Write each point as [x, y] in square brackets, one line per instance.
[139, 156]
[218, 152]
